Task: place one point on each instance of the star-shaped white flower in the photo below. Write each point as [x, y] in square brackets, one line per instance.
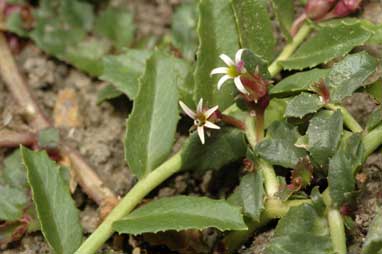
[200, 117]
[233, 71]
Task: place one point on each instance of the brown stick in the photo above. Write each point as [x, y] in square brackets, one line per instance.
[11, 139]
[90, 183]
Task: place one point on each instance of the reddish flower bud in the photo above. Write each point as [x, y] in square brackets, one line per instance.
[323, 91]
[346, 7]
[316, 9]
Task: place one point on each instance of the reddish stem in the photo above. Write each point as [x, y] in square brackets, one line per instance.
[232, 121]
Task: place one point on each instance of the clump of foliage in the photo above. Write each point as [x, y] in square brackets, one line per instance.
[244, 109]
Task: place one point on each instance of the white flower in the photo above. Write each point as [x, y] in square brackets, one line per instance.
[200, 117]
[233, 71]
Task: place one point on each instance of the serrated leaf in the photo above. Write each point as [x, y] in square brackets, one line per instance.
[12, 203]
[183, 27]
[14, 171]
[124, 70]
[252, 194]
[279, 145]
[107, 93]
[326, 45]
[350, 74]
[302, 230]
[284, 10]
[375, 118]
[255, 27]
[57, 213]
[303, 104]
[301, 81]
[373, 242]
[224, 146]
[342, 168]
[217, 35]
[254, 63]
[117, 25]
[324, 134]
[152, 124]
[181, 213]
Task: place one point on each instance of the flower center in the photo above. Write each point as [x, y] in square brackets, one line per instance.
[200, 119]
[233, 71]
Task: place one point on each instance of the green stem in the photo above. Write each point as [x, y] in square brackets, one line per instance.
[276, 67]
[129, 202]
[271, 182]
[337, 231]
[270, 179]
[372, 140]
[167, 169]
[349, 121]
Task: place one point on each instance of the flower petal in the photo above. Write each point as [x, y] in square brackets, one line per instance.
[219, 70]
[226, 59]
[211, 125]
[240, 86]
[238, 55]
[199, 108]
[201, 134]
[187, 110]
[209, 112]
[222, 80]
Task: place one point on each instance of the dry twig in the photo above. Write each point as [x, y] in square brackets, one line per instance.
[89, 181]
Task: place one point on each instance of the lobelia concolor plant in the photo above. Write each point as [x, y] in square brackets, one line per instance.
[277, 112]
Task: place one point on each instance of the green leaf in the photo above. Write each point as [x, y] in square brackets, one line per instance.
[224, 146]
[255, 27]
[57, 213]
[324, 134]
[350, 74]
[107, 93]
[183, 27]
[302, 230]
[284, 10]
[117, 25]
[14, 171]
[252, 194]
[253, 63]
[87, 55]
[301, 81]
[375, 118]
[217, 35]
[123, 71]
[181, 213]
[342, 168]
[326, 45]
[279, 145]
[303, 104]
[49, 138]
[14, 23]
[375, 90]
[275, 111]
[373, 242]
[12, 203]
[152, 124]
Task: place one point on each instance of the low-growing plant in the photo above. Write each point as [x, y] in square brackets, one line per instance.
[279, 113]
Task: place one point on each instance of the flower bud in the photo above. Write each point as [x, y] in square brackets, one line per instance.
[316, 9]
[346, 7]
